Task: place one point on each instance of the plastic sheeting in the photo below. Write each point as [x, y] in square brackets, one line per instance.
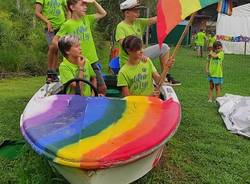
[236, 30]
[235, 111]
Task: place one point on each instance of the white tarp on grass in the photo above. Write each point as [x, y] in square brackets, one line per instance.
[235, 111]
[234, 31]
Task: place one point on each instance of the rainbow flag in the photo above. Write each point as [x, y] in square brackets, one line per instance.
[225, 7]
[172, 12]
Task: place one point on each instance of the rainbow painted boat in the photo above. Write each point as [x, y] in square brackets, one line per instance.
[95, 140]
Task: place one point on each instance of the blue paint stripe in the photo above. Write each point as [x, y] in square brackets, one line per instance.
[113, 112]
[70, 122]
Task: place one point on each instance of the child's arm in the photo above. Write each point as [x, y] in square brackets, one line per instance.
[94, 82]
[207, 67]
[213, 55]
[81, 64]
[53, 49]
[100, 12]
[125, 91]
[152, 20]
[167, 66]
[39, 15]
[156, 76]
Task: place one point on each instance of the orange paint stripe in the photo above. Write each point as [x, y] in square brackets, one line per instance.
[144, 127]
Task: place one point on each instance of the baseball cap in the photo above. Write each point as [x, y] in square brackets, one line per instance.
[129, 4]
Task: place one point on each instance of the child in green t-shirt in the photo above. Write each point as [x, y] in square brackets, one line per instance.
[53, 14]
[211, 41]
[136, 76]
[80, 25]
[214, 69]
[75, 65]
[200, 40]
[133, 25]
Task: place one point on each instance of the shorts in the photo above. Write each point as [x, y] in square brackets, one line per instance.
[216, 80]
[99, 77]
[50, 35]
[154, 52]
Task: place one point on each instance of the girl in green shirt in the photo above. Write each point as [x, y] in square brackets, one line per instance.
[214, 69]
[136, 76]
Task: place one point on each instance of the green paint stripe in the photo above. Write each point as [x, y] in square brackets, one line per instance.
[114, 112]
[205, 3]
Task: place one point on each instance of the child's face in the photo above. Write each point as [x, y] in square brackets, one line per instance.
[218, 49]
[136, 54]
[133, 14]
[80, 8]
[75, 51]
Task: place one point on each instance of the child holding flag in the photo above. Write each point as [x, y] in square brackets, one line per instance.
[136, 76]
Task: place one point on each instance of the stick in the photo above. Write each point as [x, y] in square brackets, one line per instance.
[166, 68]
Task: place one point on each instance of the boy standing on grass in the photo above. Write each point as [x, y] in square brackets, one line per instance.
[136, 76]
[200, 40]
[211, 41]
[75, 65]
[53, 14]
[80, 25]
[214, 69]
[133, 25]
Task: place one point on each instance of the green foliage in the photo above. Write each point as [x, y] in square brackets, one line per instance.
[108, 24]
[22, 44]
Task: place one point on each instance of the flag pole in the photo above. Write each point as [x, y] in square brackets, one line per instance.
[166, 69]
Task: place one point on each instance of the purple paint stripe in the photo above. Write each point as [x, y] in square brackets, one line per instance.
[57, 108]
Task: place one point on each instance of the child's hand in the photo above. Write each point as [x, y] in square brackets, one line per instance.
[144, 59]
[49, 27]
[170, 62]
[81, 62]
[156, 93]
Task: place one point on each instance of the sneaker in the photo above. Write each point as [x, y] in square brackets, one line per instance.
[210, 101]
[51, 76]
[172, 82]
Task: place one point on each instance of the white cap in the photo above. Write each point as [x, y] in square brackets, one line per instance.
[129, 4]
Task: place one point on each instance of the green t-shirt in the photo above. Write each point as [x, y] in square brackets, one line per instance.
[82, 29]
[215, 65]
[70, 71]
[123, 30]
[211, 41]
[200, 39]
[138, 78]
[54, 11]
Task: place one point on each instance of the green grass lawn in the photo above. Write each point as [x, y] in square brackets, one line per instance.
[201, 151]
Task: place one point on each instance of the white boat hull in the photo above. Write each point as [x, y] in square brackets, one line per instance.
[115, 175]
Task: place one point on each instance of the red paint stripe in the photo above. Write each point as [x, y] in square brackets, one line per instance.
[143, 128]
[168, 16]
[165, 126]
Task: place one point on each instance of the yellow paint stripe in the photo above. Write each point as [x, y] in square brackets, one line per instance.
[188, 7]
[135, 111]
